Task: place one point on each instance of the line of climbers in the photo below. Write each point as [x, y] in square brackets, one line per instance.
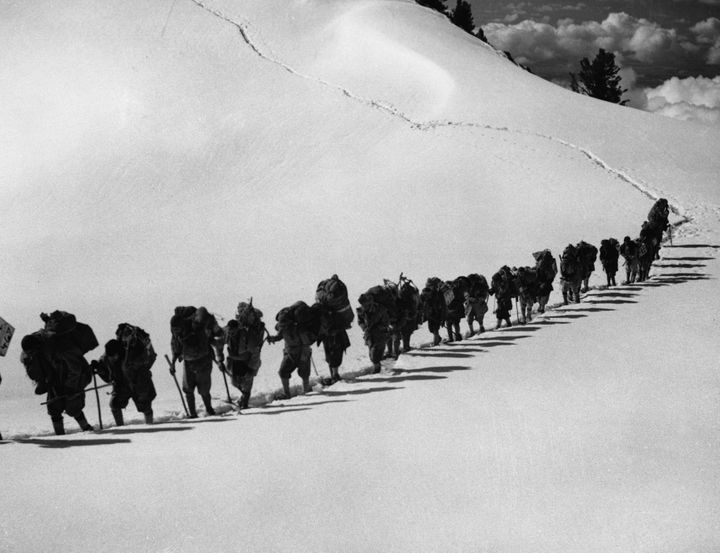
[388, 314]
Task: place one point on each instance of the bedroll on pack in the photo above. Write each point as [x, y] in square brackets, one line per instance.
[34, 347]
[478, 285]
[62, 323]
[379, 295]
[332, 294]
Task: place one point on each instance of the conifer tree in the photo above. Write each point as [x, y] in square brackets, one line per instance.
[434, 4]
[599, 78]
[462, 16]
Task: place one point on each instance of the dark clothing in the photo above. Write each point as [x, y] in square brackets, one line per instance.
[296, 357]
[335, 345]
[197, 375]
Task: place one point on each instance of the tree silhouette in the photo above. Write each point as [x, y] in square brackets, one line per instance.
[599, 78]
[462, 16]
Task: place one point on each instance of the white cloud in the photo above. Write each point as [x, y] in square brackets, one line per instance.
[636, 38]
[690, 99]
[708, 33]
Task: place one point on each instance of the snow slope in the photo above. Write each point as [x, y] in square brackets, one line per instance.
[181, 152]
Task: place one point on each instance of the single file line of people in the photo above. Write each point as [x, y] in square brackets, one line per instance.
[388, 314]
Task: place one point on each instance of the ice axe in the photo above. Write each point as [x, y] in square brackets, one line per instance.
[172, 373]
[97, 399]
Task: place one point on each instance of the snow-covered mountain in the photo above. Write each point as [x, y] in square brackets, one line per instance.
[202, 152]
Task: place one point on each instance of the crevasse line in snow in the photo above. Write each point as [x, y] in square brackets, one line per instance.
[388, 108]
[429, 125]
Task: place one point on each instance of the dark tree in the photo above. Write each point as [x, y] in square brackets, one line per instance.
[462, 16]
[434, 4]
[481, 35]
[599, 78]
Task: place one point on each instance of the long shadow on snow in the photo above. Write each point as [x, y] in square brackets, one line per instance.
[511, 338]
[363, 391]
[686, 259]
[680, 246]
[612, 294]
[276, 410]
[661, 265]
[547, 321]
[465, 349]
[58, 443]
[444, 369]
[313, 403]
[205, 420]
[443, 353]
[410, 377]
[568, 315]
[614, 302]
[138, 430]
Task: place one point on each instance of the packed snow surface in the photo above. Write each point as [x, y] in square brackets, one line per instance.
[203, 152]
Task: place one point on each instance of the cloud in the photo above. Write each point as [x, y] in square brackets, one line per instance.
[690, 99]
[636, 38]
[708, 33]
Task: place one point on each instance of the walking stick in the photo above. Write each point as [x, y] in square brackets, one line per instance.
[172, 373]
[222, 370]
[58, 398]
[97, 398]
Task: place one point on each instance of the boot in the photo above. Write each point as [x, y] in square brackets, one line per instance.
[334, 374]
[82, 421]
[207, 400]
[58, 426]
[244, 402]
[118, 416]
[306, 385]
[436, 339]
[509, 324]
[191, 405]
[286, 387]
[148, 416]
[376, 368]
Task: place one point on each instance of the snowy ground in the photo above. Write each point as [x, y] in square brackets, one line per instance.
[595, 428]
[176, 152]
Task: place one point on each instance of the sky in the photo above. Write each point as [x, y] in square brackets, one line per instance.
[669, 50]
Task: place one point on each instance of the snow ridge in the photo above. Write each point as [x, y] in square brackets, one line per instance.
[429, 125]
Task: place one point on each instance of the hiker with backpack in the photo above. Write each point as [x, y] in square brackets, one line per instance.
[54, 359]
[244, 337]
[609, 255]
[126, 364]
[298, 325]
[374, 319]
[475, 303]
[502, 286]
[196, 338]
[454, 293]
[546, 270]
[409, 308]
[629, 252]
[587, 254]
[571, 274]
[433, 308]
[527, 289]
[336, 317]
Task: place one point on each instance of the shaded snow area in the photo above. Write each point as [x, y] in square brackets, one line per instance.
[202, 152]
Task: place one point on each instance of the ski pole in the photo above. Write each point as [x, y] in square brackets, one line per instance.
[97, 399]
[313, 364]
[172, 373]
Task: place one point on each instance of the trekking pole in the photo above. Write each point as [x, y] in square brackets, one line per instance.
[227, 389]
[97, 398]
[313, 364]
[172, 373]
[58, 398]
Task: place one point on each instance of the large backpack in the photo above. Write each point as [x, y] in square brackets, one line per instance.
[332, 294]
[380, 295]
[136, 342]
[68, 332]
[477, 286]
[302, 317]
